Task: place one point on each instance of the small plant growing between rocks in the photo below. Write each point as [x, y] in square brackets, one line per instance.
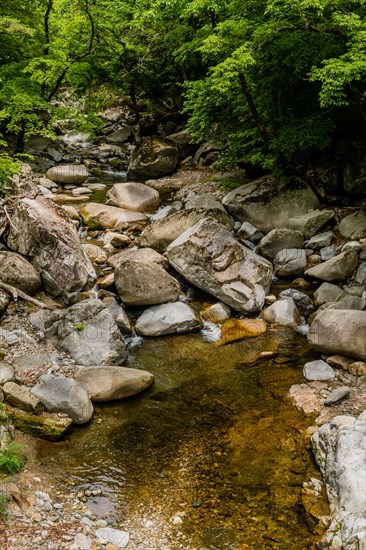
[3, 506]
[12, 458]
[79, 326]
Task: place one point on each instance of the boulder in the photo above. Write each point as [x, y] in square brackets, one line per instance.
[207, 201]
[68, 173]
[171, 318]
[110, 382]
[144, 283]
[139, 254]
[320, 240]
[119, 314]
[279, 239]
[283, 312]
[161, 234]
[289, 262]
[95, 253]
[133, 196]
[41, 231]
[4, 302]
[17, 271]
[335, 333]
[216, 313]
[338, 268]
[311, 222]
[49, 426]
[64, 395]
[354, 225]
[339, 448]
[326, 293]
[154, 157]
[302, 300]
[183, 140]
[318, 370]
[268, 203]
[102, 216]
[88, 332]
[209, 257]
[21, 398]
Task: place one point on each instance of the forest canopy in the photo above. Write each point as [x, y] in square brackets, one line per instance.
[271, 78]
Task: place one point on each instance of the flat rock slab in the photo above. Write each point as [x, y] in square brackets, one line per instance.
[318, 370]
[50, 426]
[22, 398]
[337, 395]
[279, 239]
[172, 318]
[338, 268]
[311, 222]
[209, 257]
[107, 383]
[114, 536]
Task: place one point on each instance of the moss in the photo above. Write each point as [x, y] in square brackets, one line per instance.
[45, 426]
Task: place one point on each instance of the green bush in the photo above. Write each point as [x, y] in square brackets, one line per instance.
[3, 506]
[8, 168]
[12, 458]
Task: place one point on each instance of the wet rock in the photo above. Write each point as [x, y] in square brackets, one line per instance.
[50, 239]
[102, 216]
[216, 313]
[340, 453]
[170, 318]
[153, 158]
[161, 234]
[107, 382]
[133, 196]
[49, 426]
[354, 225]
[17, 271]
[337, 395]
[342, 334]
[60, 394]
[326, 293]
[257, 357]
[320, 240]
[209, 257]
[21, 398]
[139, 254]
[289, 262]
[311, 222]
[88, 332]
[268, 203]
[236, 329]
[68, 173]
[4, 302]
[279, 239]
[7, 373]
[283, 312]
[95, 253]
[250, 233]
[318, 370]
[338, 268]
[139, 282]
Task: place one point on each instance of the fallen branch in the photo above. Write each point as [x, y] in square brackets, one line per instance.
[11, 223]
[15, 292]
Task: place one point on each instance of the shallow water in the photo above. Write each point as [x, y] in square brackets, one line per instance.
[213, 440]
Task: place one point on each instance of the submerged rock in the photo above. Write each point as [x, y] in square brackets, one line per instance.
[209, 257]
[41, 231]
[105, 383]
[236, 329]
[65, 395]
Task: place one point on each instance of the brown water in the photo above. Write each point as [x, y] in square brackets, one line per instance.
[212, 439]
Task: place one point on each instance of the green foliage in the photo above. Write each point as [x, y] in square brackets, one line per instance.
[8, 168]
[79, 326]
[12, 458]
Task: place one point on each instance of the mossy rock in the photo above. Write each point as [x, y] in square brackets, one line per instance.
[48, 426]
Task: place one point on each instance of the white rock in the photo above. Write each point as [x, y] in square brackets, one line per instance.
[114, 536]
[318, 370]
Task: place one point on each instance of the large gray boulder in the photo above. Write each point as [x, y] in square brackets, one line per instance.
[154, 157]
[338, 268]
[144, 283]
[88, 332]
[141, 254]
[64, 395]
[17, 271]
[68, 173]
[102, 216]
[133, 196]
[167, 319]
[279, 239]
[160, 234]
[311, 222]
[336, 332]
[41, 231]
[339, 448]
[108, 383]
[209, 257]
[268, 203]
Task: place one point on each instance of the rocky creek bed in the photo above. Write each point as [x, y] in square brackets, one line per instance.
[206, 345]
